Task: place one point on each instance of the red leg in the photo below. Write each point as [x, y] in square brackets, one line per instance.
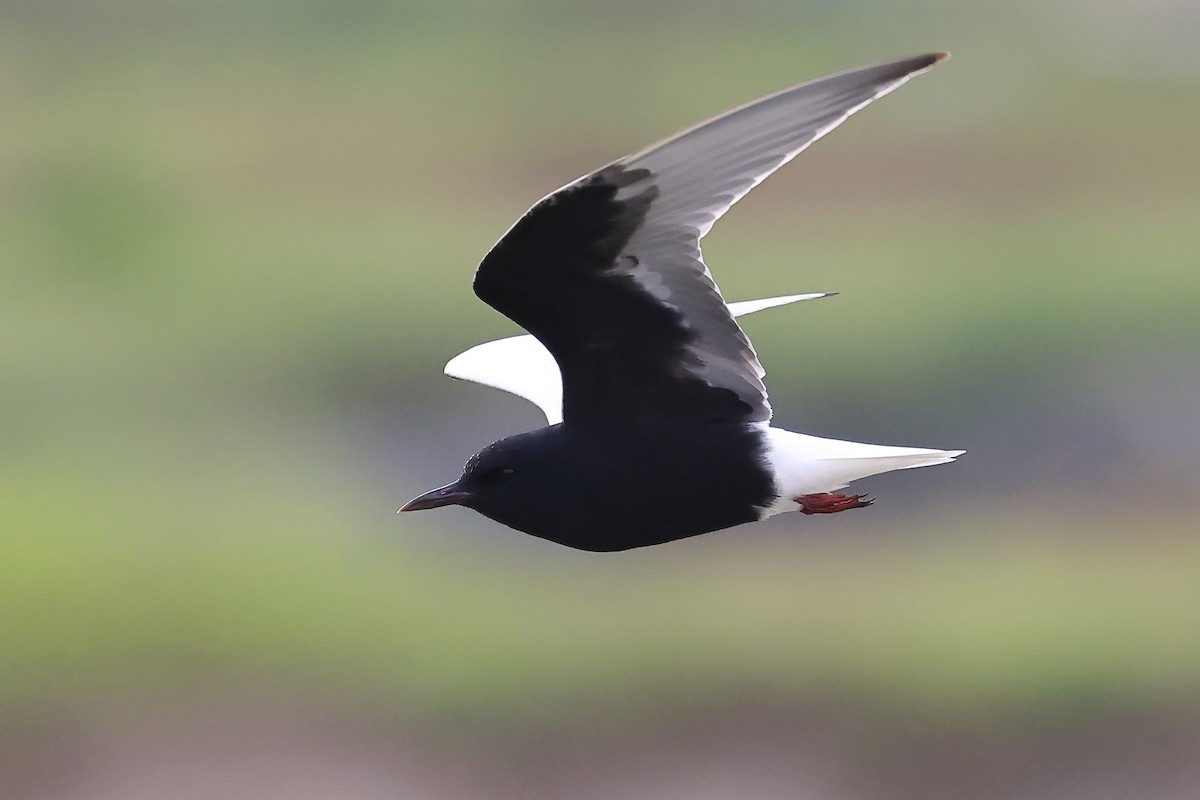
[832, 502]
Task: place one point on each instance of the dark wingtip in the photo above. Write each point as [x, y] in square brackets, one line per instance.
[939, 56]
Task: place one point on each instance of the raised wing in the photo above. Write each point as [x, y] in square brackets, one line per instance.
[520, 365]
[607, 272]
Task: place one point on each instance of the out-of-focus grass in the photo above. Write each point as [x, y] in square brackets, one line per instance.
[223, 239]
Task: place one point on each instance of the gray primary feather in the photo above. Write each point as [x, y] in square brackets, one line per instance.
[695, 176]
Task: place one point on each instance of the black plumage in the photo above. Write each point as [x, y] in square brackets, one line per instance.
[620, 350]
[665, 419]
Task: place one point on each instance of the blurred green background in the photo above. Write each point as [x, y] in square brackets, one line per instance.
[236, 244]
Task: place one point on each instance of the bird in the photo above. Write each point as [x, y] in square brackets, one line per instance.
[658, 421]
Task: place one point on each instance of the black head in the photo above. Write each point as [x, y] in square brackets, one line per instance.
[511, 481]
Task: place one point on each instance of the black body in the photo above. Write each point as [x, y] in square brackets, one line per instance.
[647, 452]
[607, 492]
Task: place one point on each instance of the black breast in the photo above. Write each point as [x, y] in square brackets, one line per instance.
[617, 492]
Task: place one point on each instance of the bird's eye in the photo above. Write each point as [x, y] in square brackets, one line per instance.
[498, 474]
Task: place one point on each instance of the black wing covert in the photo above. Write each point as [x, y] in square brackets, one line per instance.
[607, 272]
[621, 351]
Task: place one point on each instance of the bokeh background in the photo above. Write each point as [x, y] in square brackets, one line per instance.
[236, 244]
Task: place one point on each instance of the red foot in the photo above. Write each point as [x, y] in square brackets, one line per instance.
[832, 502]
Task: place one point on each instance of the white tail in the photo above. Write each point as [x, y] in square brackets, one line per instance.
[804, 464]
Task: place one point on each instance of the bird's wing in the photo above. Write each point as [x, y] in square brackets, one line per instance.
[520, 365]
[607, 271]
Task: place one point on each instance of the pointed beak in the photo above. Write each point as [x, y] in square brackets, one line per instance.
[448, 495]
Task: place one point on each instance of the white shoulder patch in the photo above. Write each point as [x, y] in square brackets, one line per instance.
[518, 365]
